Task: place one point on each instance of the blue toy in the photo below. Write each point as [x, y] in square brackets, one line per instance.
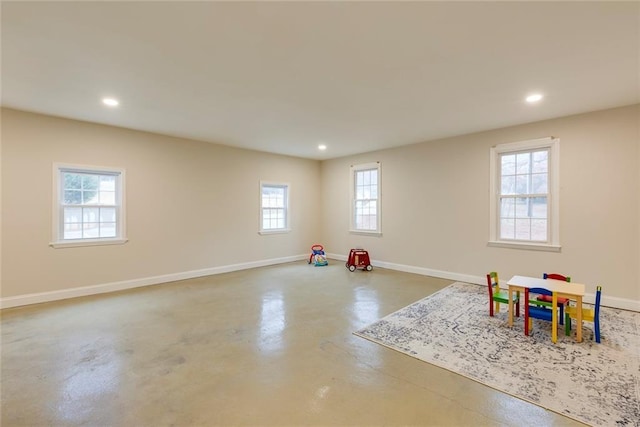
[317, 256]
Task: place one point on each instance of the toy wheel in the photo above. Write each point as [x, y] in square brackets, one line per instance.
[352, 268]
[369, 267]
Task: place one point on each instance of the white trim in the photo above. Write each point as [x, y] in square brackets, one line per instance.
[352, 196]
[553, 245]
[276, 231]
[87, 242]
[121, 227]
[525, 245]
[366, 233]
[41, 297]
[287, 211]
[607, 301]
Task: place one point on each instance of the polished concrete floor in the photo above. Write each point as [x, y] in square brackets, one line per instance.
[268, 346]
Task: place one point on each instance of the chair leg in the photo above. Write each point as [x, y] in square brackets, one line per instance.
[561, 314]
[491, 308]
[567, 324]
[596, 329]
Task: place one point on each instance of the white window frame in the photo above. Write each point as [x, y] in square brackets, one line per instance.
[58, 240]
[553, 202]
[287, 210]
[352, 195]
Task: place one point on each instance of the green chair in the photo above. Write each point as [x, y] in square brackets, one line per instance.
[497, 296]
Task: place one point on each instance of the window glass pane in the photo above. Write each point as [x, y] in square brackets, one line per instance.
[522, 207]
[72, 181]
[90, 185]
[366, 177]
[107, 183]
[72, 215]
[90, 215]
[507, 228]
[107, 198]
[90, 197]
[108, 215]
[107, 229]
[508, 185]
[523, 229]
[539, 230]
[72, 197]
[523, 163]
[522, 184]
[540, 161]
[508, 164]
[539, 207]
[72, 231]
[90, 230]
[507, 207]
[374, 191]
[539, 183]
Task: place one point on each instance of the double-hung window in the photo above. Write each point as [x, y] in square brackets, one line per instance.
[274, 208]
[524, 194]
[365, 198]
[88, 206]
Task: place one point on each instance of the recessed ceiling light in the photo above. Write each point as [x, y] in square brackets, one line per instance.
[322, 147]
[111, 102]
[535, 97]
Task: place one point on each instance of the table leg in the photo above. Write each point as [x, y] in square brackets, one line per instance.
[554, 317]
[579, 319]
[510, 292]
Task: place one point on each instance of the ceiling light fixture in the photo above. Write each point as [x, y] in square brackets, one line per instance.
[534, 97]
[322, 147]
[111, 102]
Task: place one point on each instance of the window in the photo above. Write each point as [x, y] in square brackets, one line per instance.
[365, 198]
[89, 208]
[274, 207]
[524, 197]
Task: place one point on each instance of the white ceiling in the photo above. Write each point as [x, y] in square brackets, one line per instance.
[283, 77]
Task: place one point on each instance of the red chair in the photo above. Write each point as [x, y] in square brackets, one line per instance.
[497, 296]
[562, 302]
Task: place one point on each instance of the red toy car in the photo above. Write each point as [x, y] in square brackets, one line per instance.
[359, 258]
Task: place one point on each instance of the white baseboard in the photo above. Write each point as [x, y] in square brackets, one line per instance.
[607, 301]
[37, 298]
[41, 297]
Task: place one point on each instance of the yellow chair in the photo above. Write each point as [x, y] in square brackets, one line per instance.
[588, 314]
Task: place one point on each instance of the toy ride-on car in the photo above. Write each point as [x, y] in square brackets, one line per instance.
[358, 258]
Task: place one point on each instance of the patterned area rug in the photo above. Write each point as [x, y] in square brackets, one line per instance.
[597, 384]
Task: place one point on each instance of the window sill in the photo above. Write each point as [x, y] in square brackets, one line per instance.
[87, 242]
[366, 233]
[282, 231]
[526, 246]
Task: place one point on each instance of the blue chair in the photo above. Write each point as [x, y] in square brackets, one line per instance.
[536, 309]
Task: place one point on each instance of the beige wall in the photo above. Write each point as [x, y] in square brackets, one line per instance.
[193, 205]
[435, 204]
[190, 205]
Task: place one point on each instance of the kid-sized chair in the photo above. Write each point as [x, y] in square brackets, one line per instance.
[562, 302]
[588, 314]
[497, 296]
[533, 308]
